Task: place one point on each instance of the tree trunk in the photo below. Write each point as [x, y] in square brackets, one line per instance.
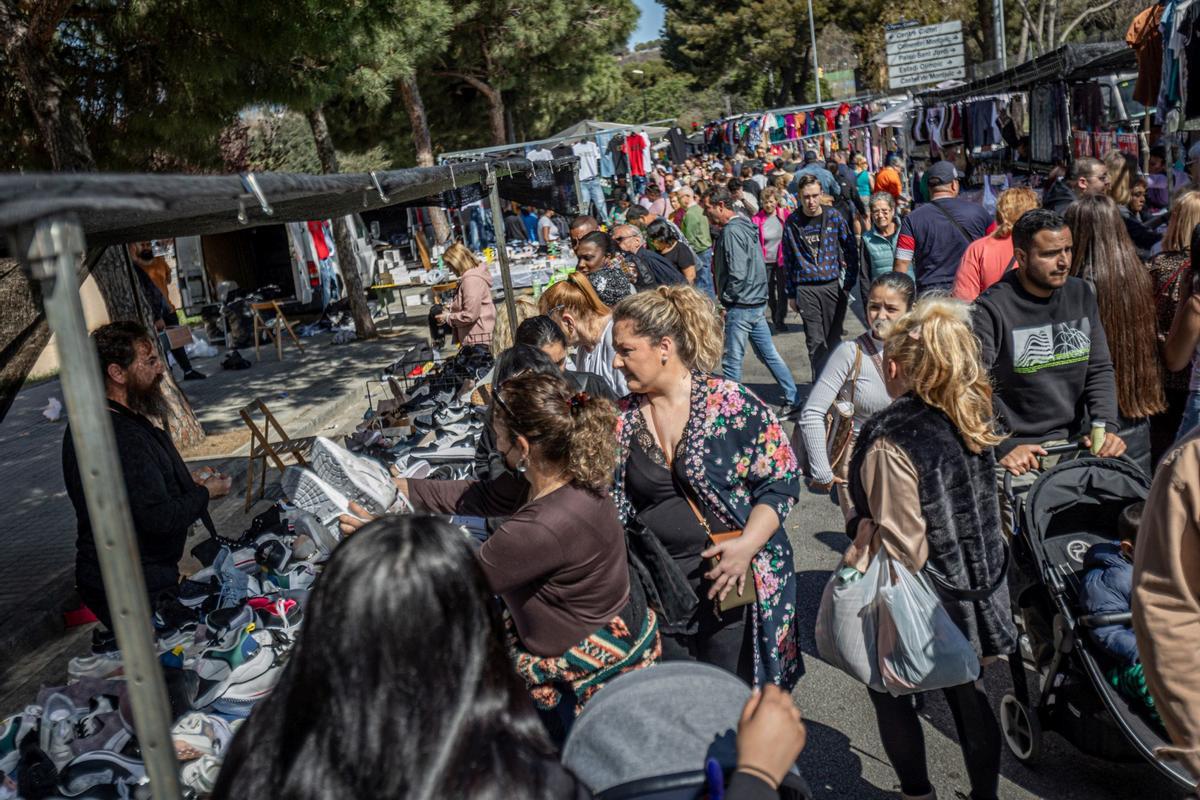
[987, 29]
[410, 91]
[1023, 49]
[123, 300]
[495, 103]
[364, 326]
[27, 44]
[787, 81]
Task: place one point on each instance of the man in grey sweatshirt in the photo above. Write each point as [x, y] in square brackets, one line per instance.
[741, 278]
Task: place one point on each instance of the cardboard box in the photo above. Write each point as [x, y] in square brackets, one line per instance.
[178, 335]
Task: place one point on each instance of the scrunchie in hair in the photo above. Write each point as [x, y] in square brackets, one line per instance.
[578, 402]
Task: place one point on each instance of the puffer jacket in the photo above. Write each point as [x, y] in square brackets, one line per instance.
[1107, 587]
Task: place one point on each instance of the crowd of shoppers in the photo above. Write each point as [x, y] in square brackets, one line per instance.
[650, 526]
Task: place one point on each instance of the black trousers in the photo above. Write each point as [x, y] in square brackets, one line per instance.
[822, 311]
[978, 734]
[159, 578]
[180, 355]
[777, 299]
[723, 641]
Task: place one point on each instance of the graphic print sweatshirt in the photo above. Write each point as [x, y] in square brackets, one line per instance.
[1048, 359]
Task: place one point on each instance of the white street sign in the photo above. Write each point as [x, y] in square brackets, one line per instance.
[953, 73]
[925, 54]
[905, 34]
[941, 40]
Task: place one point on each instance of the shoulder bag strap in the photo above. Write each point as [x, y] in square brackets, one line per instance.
[853, 379]
[955, 222]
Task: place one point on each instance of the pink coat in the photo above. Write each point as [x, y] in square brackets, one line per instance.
[758, 219]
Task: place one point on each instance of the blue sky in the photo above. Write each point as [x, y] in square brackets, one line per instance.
[649, 24]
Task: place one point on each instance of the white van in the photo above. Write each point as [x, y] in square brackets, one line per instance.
[285, 255]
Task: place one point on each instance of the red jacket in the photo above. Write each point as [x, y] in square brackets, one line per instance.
[758, 219]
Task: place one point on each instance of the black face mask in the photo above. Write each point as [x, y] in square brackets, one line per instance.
[145, 255]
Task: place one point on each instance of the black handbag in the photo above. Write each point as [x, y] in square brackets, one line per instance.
[666, 587]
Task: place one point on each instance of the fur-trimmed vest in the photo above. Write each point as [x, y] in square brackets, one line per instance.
[957, 490]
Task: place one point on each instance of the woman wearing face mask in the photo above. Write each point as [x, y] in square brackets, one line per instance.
[606, 266]
[854, 369]
[587, 323]
[923, 486]
[697, 455]
[558, 561]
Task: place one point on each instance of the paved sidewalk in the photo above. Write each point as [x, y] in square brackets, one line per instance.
[310, 393]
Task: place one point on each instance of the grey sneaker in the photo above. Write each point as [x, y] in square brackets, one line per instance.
[363, 480]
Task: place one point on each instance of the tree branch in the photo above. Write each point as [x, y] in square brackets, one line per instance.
[44, 17]
[482, 86]
[1087, 12]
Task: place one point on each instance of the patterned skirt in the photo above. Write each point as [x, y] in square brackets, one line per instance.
[629, 641]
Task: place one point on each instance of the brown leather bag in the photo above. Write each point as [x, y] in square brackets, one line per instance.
[734, 599]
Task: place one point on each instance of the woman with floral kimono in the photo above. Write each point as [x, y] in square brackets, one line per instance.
[692, 444]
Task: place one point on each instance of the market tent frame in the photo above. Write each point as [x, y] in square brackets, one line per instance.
[56, 225]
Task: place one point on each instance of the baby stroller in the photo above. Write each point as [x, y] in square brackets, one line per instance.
[1069, 508]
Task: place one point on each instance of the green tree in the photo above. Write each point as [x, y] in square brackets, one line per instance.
[524, 53]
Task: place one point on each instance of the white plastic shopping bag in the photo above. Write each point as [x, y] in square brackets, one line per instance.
[919, 646]
[846, 627]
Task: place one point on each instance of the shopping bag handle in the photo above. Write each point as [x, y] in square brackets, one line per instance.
[943, 583]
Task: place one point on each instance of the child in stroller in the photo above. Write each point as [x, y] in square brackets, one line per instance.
[1106, 590]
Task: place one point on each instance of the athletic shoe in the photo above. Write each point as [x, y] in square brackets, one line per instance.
[57, 730]
[308, 491]
[88, 774]
[200, 588]
[102, 729]
[296, 576]
[198, 734]
[236, 583]
[280, 615]
[306, 525]
[243, 672]
[12, 732]
[201, 775]
[362, 479]
[97, 665]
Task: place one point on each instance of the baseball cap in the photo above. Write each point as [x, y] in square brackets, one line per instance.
[942, 173]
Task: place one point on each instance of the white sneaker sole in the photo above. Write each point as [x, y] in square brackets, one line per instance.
[363, 481]
[308, 491]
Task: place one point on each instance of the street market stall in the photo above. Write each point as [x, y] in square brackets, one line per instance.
[57, 226]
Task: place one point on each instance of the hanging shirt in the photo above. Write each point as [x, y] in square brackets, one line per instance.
[540, 154]
[636, 155]
[317, 229]
[589, 159]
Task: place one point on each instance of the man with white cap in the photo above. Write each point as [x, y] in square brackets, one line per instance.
[934, 237]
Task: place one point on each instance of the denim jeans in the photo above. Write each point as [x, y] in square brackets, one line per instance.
[592, 192]
[639, 186]
[1191, 416]
[704, 274]
[751, 323]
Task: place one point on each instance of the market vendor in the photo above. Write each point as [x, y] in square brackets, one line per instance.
[165, 499]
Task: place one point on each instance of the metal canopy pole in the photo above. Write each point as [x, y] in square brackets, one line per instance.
[502, 252]
[51, 250]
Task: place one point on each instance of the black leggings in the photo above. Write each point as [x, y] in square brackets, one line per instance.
[978, 734]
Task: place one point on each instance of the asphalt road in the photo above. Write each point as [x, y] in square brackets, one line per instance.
[844, 757]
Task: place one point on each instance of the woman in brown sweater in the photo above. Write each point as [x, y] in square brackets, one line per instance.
[558, 560]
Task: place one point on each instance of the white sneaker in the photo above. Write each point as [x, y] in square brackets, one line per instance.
[198, 734]
[58, 728]
[307, 490]
[201, 775]
[97, 665]
[363, 480]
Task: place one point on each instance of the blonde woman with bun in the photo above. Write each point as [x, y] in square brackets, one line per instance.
[986, 260]
[923, 487]
[693, 445]
[472, 314]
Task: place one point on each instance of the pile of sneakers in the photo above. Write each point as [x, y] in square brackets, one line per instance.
[223, 638]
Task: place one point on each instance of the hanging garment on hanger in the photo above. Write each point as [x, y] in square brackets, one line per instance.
[989, 197]
[933, 123]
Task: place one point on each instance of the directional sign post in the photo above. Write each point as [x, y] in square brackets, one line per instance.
[925, 54]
